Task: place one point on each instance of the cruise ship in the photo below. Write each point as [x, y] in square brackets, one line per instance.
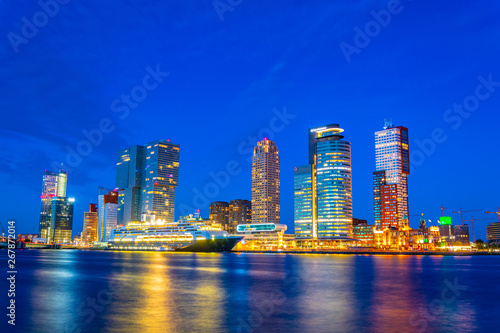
[189, 234]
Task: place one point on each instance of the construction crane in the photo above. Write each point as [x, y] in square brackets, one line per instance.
[497, 212]
[442, 209]
[465, 211]
[472, 222]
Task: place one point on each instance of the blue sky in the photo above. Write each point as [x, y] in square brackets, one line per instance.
[225, 78]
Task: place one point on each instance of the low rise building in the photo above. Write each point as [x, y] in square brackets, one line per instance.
[364, 235]
[261, 237]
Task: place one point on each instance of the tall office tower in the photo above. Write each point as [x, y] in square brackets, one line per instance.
[90, 225]
[61, 220]
[54, 185]
[240, 212]
[146, 178]
[323, 188]
[390, 184]
[107, 206]
[219, 212]
[62, 181]
[161, 177]
[129, 178]
[265, 183]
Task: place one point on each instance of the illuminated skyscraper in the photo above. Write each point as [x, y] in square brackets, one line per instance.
[107, 212]
[129, 178]
[54, 185]
[161, 177]
[265, 183]
[90, 225]
[390, 185]
[61, 220]
[323, 189]
[146, 178]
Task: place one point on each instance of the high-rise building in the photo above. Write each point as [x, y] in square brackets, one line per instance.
[54, 185]
[265, 183]
[107, 212]
[90, 225]
[61, 222]
[219, 212]
[390, 185]
[146, 179]
[323, 188]
[240, 212]
[129, 180]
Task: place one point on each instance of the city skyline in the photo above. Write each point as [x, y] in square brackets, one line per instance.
[60, 186]
[218, 104]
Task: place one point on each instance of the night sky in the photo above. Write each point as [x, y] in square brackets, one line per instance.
[222, 77]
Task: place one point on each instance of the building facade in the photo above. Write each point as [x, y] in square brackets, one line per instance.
[90, 229]
[493, 233]
[240, 212]
[107, 212]
[323, 189]
[61, 222]
[53, 185]
[219, 212]
[265, 183]
[364, 235]
[390, 184]
[146, 178]
[129, 180]
[261, 236]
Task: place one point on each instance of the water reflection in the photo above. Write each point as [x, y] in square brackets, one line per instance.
[173, 292]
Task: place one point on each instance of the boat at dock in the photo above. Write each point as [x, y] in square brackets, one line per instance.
[189, 234]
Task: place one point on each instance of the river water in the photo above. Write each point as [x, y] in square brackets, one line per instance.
[100, 291]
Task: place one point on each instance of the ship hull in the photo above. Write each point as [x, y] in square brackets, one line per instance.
[212, 245]
[209, 245]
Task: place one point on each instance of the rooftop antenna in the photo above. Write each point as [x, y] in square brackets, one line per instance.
[387, 123]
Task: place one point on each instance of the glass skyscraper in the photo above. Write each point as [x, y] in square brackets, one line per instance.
[146, 178]
[303, 203]
[390, 184]
[61, 220]
[323, 189]
[54, 185]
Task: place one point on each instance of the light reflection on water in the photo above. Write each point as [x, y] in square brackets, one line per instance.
[183, 292]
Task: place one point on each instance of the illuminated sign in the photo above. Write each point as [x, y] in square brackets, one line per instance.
[445, 220]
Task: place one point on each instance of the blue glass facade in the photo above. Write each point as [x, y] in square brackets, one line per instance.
[146, 178]
[323, 189]
[303, 202]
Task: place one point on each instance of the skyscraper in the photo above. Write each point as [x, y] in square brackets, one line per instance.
[265, 183]
[107, 212]
[219, 212]
[54, 185]
[61, 220]
[129, 180]
[146, 178]
[390, 185]
[323, 188]
[240, 212]
[90, 225]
